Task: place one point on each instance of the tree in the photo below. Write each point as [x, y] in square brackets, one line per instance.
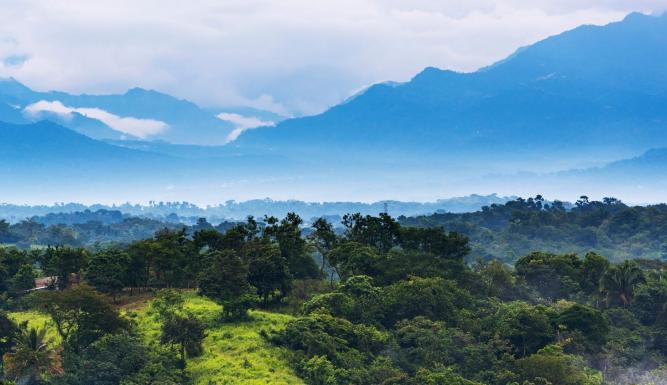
[63, 262]
[381, 232]
[554, 276]
[593, 268]
[324, 239]
[225, 280]
[434, 298]
[171, 251]
[357, 300]
[107, 271]
[619, 281]
[590, 322]
[185, 331]
[353, 258]
[267, 269]
[293, 247]
[498, 279]
[141, 258]
[318, 370]
[117, 359]
[558, 368]
[8, 331]
[167, 303]
[5, 233]
[11, 261]
[435, 242]
[528, 328]
[81, 315]
[24, 280]
[441, 376]
[32, 358]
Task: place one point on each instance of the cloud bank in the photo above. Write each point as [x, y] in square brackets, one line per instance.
[292, 57]
[242, 123]
[140, 128]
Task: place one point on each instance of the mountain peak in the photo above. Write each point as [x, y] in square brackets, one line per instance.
[138, 91]
[639, 16]
[434, 72]
[10, 86]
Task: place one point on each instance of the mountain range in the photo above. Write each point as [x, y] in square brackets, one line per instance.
[136, 114]
[588, 94]
[580, 112]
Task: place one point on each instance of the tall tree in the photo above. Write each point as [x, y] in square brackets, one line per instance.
[225, 280]
[619, 282]
[32, 357]
[187, 332]
[107, 271]
[62, 262]
[23, 280]
[293, 247]
[81, 315]
[267, 269]
[324, 239]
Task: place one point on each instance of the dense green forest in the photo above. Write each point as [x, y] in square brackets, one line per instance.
[90, 228]
[378, 302]
[508, 231]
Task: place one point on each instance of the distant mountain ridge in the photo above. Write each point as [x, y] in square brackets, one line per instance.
[179, 121]
[593, 88]
[569, 115]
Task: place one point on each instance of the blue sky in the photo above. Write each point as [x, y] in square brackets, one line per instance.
[291, 57]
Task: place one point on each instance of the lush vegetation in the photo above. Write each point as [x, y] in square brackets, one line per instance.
[508, 231]
[91, 229]
[375, 303]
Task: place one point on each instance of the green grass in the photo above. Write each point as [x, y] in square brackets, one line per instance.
[234, 353]
[37, 320]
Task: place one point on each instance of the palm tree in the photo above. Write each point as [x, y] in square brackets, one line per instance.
[32, 357]
[619, 281]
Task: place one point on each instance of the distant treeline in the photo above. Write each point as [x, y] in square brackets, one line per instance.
[188, 212]
[90, 229]
[503, 231]
[508, 231]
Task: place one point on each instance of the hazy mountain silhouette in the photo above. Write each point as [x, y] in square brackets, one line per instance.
[592, 89]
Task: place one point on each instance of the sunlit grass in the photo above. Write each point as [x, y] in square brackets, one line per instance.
[234, 353]
[38, 321]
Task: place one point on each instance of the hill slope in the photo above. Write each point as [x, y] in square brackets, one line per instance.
[234, 353]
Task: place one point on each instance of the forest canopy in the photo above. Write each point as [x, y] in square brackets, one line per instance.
[373, 302]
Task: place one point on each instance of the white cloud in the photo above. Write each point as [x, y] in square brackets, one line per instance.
[242, 123]
[141, 128]
[292, 56]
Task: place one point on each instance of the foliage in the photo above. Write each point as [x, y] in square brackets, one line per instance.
[399, 305]
[32, 358]
[226, 281]
[552, 365]
[516, 228]
[185, 331]
[81, 316]
[106, 271]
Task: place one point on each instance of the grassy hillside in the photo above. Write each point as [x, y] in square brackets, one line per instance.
[234, 353]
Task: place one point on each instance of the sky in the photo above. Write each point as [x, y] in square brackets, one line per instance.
[290, 57]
